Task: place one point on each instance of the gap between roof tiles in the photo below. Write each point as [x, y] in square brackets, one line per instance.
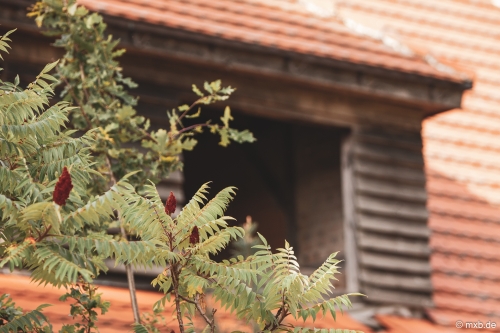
[327, 8]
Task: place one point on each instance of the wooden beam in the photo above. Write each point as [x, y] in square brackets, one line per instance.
[409, 247]
[390, 172]
[389, 154]
[392, 208]
[349, 205]
[427, 93]
[386, 296]
[396, 227]
[394, 263]
[395, 281]
[391, 190]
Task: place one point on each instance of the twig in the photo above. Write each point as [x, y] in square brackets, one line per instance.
[128, 267]
[42, 236]
[87, 119]
[185, 129]
[187, 299]
[189, 109]
[175, 282]
[82, 75]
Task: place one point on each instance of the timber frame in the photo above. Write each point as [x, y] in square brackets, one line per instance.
[383, 177]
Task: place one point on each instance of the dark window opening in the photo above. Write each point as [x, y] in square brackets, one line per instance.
[289, 181]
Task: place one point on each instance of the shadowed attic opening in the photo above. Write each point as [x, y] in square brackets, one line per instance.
[289, 181]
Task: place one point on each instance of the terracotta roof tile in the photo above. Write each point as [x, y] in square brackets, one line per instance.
[268, 24]
[449, 318]
[465, 265]
[469, 286]
[472, 228]
[29, 296]
[465, 246]
[119, 318]
[409, 325]
[437, 131]
[461, 147]
[486, 306]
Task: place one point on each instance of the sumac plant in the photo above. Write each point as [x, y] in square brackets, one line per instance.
[62, 185]
[265, 288]
[90, 78]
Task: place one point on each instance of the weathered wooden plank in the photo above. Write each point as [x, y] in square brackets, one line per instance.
[388, 189]
[348, 199]
[389, 154]
[379, 295]
[391, 215]
[396, 281]
[388, 226]
[389, 172]
[390, 244]
[412, 140]
[392, 208]
[394, 263]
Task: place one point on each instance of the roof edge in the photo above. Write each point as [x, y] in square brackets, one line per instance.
[429, 93]
[432, 94]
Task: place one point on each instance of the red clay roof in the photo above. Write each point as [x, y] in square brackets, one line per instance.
[461, 147]
[119, 318]
[277, 24]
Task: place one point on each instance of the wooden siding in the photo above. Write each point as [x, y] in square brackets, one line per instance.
[386, 217]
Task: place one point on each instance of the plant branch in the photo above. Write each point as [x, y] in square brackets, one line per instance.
[128, 267]
[189, 109]
[209, 321]
[185, 129]
[84, 114]
[175, 282]
[45, 234]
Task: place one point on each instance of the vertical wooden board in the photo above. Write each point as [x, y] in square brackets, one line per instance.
[385, 207]
[348, 197]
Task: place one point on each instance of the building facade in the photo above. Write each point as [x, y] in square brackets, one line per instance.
[357, 150]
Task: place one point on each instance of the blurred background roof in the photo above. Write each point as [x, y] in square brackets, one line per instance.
[280, 24]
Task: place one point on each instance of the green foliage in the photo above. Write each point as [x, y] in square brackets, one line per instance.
[92, 79]
[151, 321]
[246, 246]
[264, 288]
[56, 243]
[34, 148]
[87, 301]
[12, 318]
[67, 245]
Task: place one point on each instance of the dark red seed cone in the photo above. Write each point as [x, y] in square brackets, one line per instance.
[194, 238]
[171, 204]
[63, 188]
